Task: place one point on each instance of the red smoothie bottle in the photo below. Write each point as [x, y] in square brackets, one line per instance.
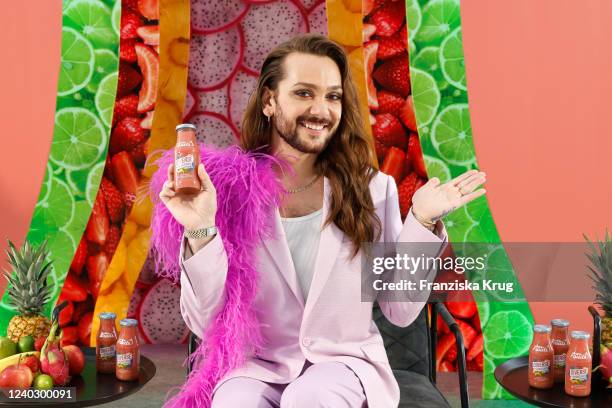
[560, 343]
[578, 365]
[186, 160]
[541, 358]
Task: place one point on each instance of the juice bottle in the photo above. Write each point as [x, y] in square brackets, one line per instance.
[186, 160]
[105, 345]
[541, 358]
[128, 352]
[559, 339]
[578, 365]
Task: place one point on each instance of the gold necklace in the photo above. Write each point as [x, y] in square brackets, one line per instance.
[303, 188]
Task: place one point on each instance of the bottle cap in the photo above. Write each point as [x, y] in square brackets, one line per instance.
[128, 322]
[183, 126]
[578, 334]
[107, 315]
[541, 328]
[559, 322]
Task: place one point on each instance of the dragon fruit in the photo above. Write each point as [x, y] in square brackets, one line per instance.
[214, 129]
[212, 16]
[213, 58]
[605, 364]
[240, 89]
[159, 314]
[53, 360]
[317, 19]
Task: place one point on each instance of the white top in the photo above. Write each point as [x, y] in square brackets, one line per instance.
[303, 234]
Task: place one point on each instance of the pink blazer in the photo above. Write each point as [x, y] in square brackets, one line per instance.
[333, 324]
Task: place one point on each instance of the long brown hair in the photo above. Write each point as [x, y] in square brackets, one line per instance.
[346, 160]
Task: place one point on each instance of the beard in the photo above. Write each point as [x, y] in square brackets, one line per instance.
[289, 131]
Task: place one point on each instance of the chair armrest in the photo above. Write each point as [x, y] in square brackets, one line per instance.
[439, 308]
[596, 335]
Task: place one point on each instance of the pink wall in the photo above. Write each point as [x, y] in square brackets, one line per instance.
[539, 76]
[30, 40]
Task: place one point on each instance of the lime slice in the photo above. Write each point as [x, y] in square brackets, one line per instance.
[440, 18]
[413, 17]
[65, 4]
[61, 251]
[491, 389]
[93, 18]
[116, 16]
[437, 168]
[77, 63]
[77, 180]
[93, 183]
[54, 212]
[79, 138]
[451, 135]
[451, 60]
[82, 211]
[508, 334]
[426, 96]
[45, 187]
[499, 269]
[105, 98]
[458, 221]
[484, 310]
[106, 63]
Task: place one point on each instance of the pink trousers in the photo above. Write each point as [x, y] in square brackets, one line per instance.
[322, 385]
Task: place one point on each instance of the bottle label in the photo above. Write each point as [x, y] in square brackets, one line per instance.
[559, 342]
[185, 163]
[184, 144]
[107, 335]
[540, 368]
[107, 353]
[559, 360]
[578, 375]
[125, 360]
[580, 356]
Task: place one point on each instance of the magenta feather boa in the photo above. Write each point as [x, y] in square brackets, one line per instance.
[247, 193]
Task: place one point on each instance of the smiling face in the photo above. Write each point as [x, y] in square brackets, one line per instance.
[306, 107]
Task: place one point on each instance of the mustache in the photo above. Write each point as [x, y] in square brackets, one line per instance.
[314, 119]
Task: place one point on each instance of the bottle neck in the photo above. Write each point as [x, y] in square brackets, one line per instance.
[560, 333]
[186, 136]
[542, 339]
[107, 324]
[579, 346]
[128, 332]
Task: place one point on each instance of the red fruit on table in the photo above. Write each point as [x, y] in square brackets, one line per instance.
[148, 61]
[32, 362]
[124, 107]
[98, 224]
[476, 348]
[444, 344]
[130, 21]
[388, 18]
[74, 290]
[369, 55]
[149, 9]
[78, 261]
[149, 34]
[113, 240]
[39, 343]
[415, 155]
[96, 269]
[69, 335]
[126, 135]
[390, 131]
[126, 175]
[405, 192]
[16, 376]
[127, 52]
[389, 102]
[468, 332]
[129, 79]
[406, 114]
[85, 329]
[114, 200]
[389, 47]
[393, 74]
[76, 359]
[393, 165]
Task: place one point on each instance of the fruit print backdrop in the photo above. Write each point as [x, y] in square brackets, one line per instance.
[85, 96]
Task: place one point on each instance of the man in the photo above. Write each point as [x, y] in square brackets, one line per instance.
[322, 348]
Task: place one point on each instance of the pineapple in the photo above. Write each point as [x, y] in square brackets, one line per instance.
[601, 274]
[28, 290]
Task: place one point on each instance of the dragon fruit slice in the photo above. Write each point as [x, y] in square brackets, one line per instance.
[214, 129]
[212, 16]
[317, 19]
[213, 58]
[240, 89]
[214, 101]
[310, 4]
[159, 315]
[190, 101]
[267, 25]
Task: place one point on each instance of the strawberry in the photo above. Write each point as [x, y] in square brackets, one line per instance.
[389, 131]
[108, 171]
[98, 225]
[70, 335]
[96, 269]
[476, 348]
[78, 261]
[126, 175]
[381, 149]
[124, 107]
[389, 102]
[85, 329]
[81, 308]
[148, 61]
[130, 21]
[369, 55]
[113, 240]
[74, 289]
[393, 165]
[405, 192]
[147, 121]
[388, 18]
[393, 75]
[367, 6]
[65, 316]
[39, 343]
[138, 154]
[468, 333]
[126, 135]
[131, 4]
[406, 114]
[126, 49]
[444, 345]
[389, 47]
[368, 31]
[415, 155]
[149, 34]
[129, 79]
[114, 201]
[149, 9]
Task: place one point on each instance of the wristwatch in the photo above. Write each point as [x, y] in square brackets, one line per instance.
[201, 233]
